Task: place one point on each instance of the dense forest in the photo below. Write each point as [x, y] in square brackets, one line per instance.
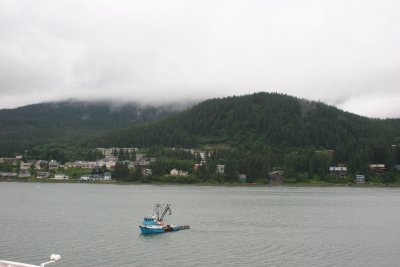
[259, 119]
[66, 122]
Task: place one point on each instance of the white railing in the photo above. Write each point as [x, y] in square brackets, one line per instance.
[53, 258]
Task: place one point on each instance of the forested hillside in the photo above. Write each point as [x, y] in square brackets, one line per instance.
[266, 119]
[267, 131]
[252, 134]
[68, 121]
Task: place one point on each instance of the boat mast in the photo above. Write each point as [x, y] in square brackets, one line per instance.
[167, 208]
[160, 210]
[157, 210]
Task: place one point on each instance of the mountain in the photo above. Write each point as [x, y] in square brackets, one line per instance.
[263, 118]
[251, 134]
[68, 121]
[256, 134]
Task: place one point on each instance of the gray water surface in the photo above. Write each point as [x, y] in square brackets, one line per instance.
[97, 225]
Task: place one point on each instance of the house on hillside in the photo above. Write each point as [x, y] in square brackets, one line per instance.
[377, 168]
[85, 164]
[128, 163]
[53, 165]
[142, 162]
[41, 164]
[202, 155]
[25, 165]
[107, 152]
[338, 171]
[69, 165]
[2, 160]
[276, 177]
[109, 162]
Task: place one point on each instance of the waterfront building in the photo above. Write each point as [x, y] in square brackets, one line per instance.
[360, 179]
[242, 178]
[276, 177]
[60, 176]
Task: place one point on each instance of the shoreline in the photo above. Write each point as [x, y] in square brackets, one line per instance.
[366, 185]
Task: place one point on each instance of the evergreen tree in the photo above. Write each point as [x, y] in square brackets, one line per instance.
[121, 171]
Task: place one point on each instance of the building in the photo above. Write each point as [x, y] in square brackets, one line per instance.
[330, 153]
[202, 155]
[114, 151]
[147, 172]
[141, 162]
[327, 152]
[53, 165]
[42, 175]
[220, 168]
[86, 177]
[196, 167]
[377, 168]
[96, 177]
[175, 172]
[60, 176]
[85, 164]
[106, 152]
[338, 171]
[128, 163]
[110, 162]
[41, 164]
[276, 177]
[2, 160]
[24, 173]
[242, 178]
[140, 156]
[360, 179]
[107, 176]
[25, 165]
[8, 174]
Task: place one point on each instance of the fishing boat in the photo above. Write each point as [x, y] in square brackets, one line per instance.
[155, 224]
[53, 258]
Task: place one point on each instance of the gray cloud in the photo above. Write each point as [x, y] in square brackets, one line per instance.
[344, 53]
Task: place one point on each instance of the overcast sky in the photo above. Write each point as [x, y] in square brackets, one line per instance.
[342, 52]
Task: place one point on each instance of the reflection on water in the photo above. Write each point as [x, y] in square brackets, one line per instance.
[97, 225]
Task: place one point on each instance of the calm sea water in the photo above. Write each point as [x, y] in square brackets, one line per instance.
[97, 225]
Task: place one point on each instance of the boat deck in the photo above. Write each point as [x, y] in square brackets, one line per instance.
[185, 226]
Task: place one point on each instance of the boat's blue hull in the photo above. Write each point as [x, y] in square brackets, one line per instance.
[146, 230]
